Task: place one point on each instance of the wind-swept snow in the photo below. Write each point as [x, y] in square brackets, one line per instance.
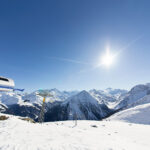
[16, 134]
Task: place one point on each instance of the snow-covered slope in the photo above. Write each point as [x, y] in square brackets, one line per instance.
[10, 98]
[139, 114]
[133, 95]
[143, 100]
[17, 134]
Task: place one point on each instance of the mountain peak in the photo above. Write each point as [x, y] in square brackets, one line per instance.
[82, 97]
[83, 93]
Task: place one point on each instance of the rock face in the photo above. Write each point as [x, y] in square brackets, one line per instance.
[80, 106]
[31, 111]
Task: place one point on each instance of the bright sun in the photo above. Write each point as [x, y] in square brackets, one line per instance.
[107, 59]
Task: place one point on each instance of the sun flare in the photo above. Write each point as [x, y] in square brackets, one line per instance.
[107, 59]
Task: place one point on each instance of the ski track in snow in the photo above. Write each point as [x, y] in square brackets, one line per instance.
[16, 134]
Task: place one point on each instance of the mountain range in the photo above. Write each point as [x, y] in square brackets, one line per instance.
[82, 105]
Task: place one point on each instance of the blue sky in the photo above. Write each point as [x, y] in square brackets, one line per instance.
[56, 43]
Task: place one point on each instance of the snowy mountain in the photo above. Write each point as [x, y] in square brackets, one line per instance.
[13, 103]
[133, 95]
[57, 96]
[107, 95]
[66, 105]
[115, 92]
[10, 98]
[70, 103]
[80, 106]
[24, 110]
[101, 96]
[135, 105]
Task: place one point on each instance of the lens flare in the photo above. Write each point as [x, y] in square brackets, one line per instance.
[107, 59]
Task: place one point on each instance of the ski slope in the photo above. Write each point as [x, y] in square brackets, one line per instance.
[16, 134]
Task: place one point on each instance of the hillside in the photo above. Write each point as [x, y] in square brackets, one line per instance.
[139, 114]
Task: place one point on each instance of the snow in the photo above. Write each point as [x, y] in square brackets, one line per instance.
[139, 114]
[136, 93]
[104, 97]
[101, 96]
[17, 134]
[115, 92]
[2, 107]
[9, 98]
[82, 97]
[108, 96]
[144, 100]
[33, 98]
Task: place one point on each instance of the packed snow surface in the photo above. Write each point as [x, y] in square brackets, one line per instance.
[17, 134]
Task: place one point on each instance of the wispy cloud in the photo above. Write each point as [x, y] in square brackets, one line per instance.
[70, 60]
